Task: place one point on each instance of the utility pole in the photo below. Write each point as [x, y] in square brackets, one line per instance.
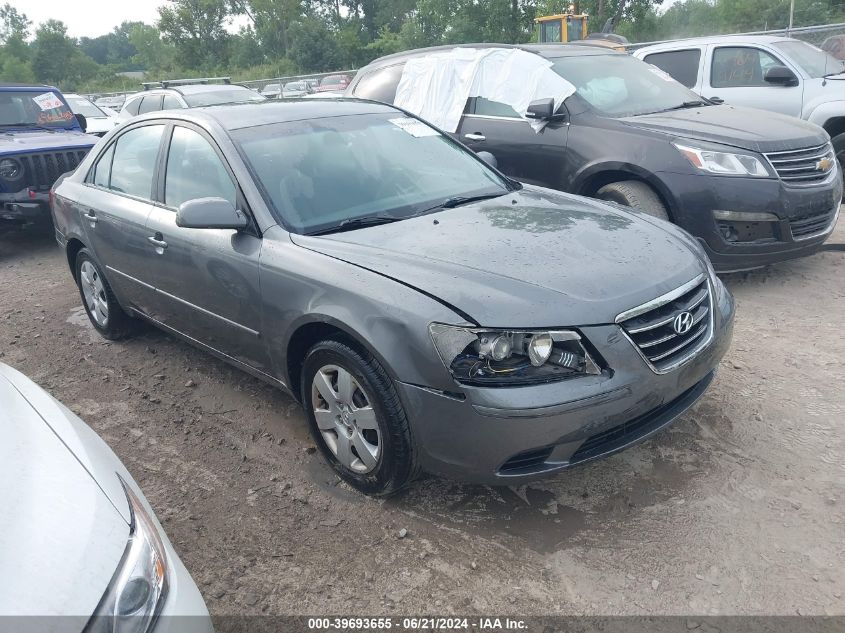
[791, 13]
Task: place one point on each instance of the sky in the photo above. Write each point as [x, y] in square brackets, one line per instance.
[90, 18]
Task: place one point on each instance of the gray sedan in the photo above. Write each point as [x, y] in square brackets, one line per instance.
[77, 537]
[427, 311]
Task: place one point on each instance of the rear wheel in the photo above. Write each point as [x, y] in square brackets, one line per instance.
[106, 315]
[633, 193]
[356, 418]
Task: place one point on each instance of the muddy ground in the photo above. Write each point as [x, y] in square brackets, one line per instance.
[739, 508]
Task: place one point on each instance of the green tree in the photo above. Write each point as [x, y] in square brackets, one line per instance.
[313, 46]
[151, 52]
[53, 49]
[197, 29]
[13, 24]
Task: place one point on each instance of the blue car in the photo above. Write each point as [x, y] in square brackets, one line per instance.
[40, 139]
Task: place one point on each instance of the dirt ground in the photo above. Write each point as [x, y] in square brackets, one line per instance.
[736, 509]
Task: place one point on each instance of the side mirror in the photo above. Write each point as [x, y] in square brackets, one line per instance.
[781, 76]
[83, 122]
[541, 109]
[488, 158]
[210, 213]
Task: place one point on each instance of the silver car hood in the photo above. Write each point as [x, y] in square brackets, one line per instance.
[61, 535]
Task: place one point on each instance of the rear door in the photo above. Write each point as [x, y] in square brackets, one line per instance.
[114, 206]
[522, 153]
[206, 279]
[683, 65]
[736, 75]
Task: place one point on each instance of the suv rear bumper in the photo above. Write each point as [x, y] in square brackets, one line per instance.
[804, 217]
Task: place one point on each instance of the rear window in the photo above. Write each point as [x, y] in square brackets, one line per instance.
[681, 65]
[132, 106]
[380, 85]
[150, 104]
[235, 94]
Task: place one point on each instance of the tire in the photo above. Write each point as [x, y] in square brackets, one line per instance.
[633, 193]
[103, 310]
[339, 435]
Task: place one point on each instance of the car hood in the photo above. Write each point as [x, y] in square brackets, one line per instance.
[746, 128]
[532, 258]
[19, 141]
[61, 536]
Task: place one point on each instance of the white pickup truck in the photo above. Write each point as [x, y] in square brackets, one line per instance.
[774, 73]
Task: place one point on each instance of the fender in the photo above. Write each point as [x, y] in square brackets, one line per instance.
[820, 112]
[586, 173]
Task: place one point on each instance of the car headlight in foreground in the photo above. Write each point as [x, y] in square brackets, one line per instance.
[139, 586]
[724, 163]
[492, 357]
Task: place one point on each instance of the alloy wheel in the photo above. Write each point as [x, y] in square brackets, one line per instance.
[346, 419]
[94, 292]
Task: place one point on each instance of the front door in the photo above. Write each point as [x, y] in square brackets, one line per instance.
[206, 280]
[114, 206]
[521, 153]
[736, 75]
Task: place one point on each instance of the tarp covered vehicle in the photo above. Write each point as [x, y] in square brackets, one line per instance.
[40, 139]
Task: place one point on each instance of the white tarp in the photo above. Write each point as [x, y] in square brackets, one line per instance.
[436, 87]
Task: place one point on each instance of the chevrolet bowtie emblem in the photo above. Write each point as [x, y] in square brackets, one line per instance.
[824, 164]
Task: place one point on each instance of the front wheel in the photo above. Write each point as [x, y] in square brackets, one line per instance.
[356, 418]
[636, 194]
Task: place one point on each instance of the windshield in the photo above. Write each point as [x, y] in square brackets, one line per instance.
[81, 105]
[621, 85]
[296, 85]
[333, 80]
[34, 108]
[318, 173]
[220, 96]
[813, 61]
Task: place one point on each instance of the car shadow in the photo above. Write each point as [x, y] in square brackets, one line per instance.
[28, 240]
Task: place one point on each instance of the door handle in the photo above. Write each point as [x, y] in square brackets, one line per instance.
[158, 241]
[90, 216]
[475, 136]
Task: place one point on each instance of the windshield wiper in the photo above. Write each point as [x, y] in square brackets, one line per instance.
[686, 104]
[357, 223]
[834, 75]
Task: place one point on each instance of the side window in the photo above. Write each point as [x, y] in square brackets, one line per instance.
[102, 172]
[494, 108]
[150, 104]
[134, 162]
[171, 103]
[132, 106]
[682, 66]
[380, 85]
[740, 66]
[194, 170]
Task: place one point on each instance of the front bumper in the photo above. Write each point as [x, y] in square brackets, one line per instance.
[24, 207]
[509, 435]
[806, 217]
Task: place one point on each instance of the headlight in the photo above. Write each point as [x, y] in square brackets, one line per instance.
[10, 168]
[485, 357]
[137, 590]
[724, 163]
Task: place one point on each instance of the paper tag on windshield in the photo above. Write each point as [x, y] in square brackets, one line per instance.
[414, 127]
[48, 101]
[661, 73]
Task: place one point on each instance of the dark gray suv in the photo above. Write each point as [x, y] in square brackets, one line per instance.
[428, 312]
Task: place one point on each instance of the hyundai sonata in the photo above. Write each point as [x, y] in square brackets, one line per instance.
[427, 311]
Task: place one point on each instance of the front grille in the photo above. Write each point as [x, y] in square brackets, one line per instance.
[43, 169]
[526, 461]
[808, 225]
[801, 166]
[651, 327]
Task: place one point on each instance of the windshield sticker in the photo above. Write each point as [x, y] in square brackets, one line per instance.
[414, 127]
[53, 117]
[48, 101]
[661, 73]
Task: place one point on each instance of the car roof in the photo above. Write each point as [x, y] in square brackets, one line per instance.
[244, 115]
[191, 89]
[718, 39]
[544, 50]
[22, 86]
